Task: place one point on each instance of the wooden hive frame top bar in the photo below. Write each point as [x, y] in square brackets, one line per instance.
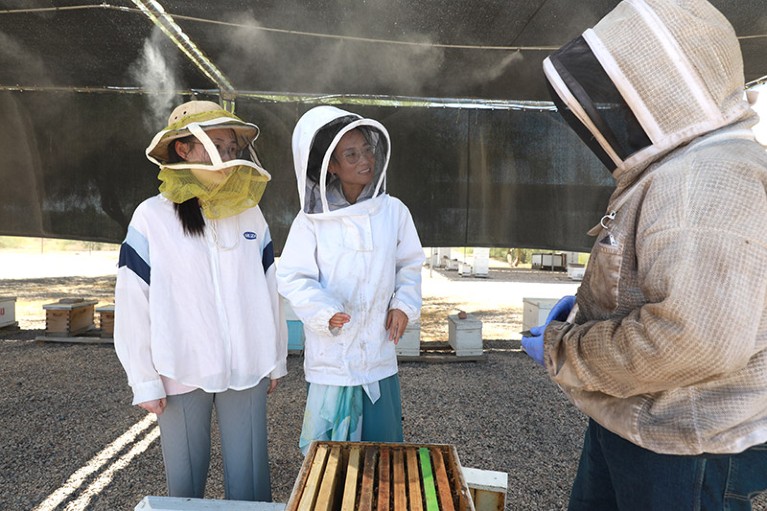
[370, 476]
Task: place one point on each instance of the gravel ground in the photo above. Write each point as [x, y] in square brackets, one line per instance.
[64, 406]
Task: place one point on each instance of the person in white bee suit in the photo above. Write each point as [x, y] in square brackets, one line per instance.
[351, 270]
[198, 322]
[665, 347]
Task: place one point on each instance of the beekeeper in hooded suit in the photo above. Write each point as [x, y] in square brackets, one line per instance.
[351, 269]
[665, 348]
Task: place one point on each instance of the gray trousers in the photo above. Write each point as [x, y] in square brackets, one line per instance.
[185, 427]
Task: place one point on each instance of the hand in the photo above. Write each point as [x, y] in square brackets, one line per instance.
[338, 320]
[272, 386]
[561, 309]
[396, 323]
[156, 406]
[533, 345]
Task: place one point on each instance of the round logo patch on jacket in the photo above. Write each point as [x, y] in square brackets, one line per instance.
[250, 235]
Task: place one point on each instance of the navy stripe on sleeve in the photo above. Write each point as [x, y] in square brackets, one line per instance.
[267, 258]
[130, 258]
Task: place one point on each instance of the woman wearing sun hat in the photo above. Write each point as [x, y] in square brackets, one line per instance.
[197, 317]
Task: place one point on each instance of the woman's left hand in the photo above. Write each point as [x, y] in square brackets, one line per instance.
[396, 323]
[272, 386]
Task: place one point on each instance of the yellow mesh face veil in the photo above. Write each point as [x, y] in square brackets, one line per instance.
[225, 185]
[222, 193]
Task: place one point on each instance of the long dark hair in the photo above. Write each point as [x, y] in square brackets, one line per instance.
[188, 212]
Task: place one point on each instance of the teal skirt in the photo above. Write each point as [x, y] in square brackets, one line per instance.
[348, 414]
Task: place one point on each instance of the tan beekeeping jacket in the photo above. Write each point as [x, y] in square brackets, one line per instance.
[668, 348]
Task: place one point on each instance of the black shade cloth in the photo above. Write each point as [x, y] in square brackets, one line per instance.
[82, 93]
[471, 177]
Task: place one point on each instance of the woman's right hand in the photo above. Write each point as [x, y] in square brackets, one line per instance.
[155, 406]
[338, 320]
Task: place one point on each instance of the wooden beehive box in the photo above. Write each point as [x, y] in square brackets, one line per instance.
[367, 476]
[106, 320]
[69, 316]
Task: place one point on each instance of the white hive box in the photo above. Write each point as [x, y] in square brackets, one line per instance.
[296, 334]
[409, 344]
[7, 310]
[450, 264]
[434, 258]
[187, 504]
[481, 261]
[465, 335]
[576, 271]
[535, 311]
[443, 255]
[488, 488]
[549, 261]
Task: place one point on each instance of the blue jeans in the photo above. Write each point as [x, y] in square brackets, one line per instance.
[615, 474]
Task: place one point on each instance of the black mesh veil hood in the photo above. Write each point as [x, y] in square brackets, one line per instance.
[651, 76]
[315, 137]
[600, 100]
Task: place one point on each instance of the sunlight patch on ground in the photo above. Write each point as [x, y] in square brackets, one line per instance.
[95, 464]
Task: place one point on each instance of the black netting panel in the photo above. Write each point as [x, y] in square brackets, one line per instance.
[75, 168]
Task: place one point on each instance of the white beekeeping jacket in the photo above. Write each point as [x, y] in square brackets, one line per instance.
[362, 259]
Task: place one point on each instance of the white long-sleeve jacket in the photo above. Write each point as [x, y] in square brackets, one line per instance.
[363, 259]
[201, 311]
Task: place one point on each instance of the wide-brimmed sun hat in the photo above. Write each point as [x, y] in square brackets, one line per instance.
[206, 115]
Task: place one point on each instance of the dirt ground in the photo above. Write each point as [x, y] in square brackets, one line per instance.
[66, 405]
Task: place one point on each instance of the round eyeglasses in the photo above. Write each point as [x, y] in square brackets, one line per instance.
[353, 155]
